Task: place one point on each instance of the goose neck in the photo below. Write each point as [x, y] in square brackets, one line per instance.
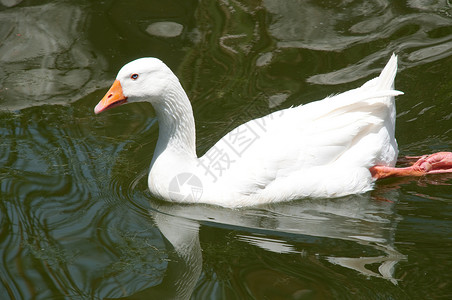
[176, 122]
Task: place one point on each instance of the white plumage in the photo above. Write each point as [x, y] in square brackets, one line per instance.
[321, 149]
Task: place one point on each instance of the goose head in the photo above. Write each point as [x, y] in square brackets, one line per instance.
[144, 79]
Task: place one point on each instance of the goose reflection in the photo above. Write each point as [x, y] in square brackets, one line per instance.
[366, 222]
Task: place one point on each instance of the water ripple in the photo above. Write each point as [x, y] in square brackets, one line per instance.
[56, 192]
[74, 212]
[44, 58]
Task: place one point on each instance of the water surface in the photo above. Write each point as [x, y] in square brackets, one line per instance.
[77, 220]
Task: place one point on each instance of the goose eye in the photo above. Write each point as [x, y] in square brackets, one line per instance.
[134, 76]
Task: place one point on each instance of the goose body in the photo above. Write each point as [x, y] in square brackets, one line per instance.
[322, 149]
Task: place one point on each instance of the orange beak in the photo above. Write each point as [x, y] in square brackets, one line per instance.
[114, 97]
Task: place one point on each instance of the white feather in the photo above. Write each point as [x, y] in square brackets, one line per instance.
[321, 149]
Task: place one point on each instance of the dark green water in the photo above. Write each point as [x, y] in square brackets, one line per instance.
[76, 219]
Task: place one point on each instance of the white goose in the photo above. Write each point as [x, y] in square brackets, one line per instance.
[329, 148]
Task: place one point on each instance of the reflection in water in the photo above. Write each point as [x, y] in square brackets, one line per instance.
[62, 233]
[367, 223]
[185, 259]
[329, 28]
[314, 25]
[74, 220]
[281, 42]
[44, 58]
[165, 29]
